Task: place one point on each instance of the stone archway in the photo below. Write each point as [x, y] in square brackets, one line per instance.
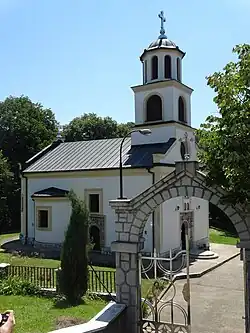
[132, 215]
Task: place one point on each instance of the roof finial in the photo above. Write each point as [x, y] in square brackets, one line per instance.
[163, 19]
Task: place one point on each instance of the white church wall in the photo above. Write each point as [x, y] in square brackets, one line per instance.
[61, 210]
[141, 98]
[133, 185]
[201, 218]
[170, 229]
[192, 145]
[158, 135]
[177, 92]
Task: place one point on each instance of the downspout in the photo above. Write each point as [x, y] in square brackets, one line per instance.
[153, 214]
[26, 204]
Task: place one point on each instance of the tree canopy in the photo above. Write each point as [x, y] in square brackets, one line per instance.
[25, 128]
[91, 127]
[224, 140]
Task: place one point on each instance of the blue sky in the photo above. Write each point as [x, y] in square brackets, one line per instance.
[78, 56]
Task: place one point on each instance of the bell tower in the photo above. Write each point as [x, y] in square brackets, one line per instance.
[163, 101]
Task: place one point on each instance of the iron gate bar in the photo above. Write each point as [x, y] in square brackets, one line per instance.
[156, 305]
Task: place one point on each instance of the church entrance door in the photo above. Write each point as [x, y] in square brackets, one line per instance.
[95, 238]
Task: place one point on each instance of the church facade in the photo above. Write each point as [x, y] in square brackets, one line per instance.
[91, 168]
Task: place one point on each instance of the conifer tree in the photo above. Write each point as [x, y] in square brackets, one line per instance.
[73, 281]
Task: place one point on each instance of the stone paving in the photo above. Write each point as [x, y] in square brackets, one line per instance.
[217, 300]
[200, 267]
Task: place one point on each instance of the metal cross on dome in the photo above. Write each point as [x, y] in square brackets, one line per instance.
[163, 19]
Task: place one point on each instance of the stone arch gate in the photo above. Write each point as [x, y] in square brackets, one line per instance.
[132, 215]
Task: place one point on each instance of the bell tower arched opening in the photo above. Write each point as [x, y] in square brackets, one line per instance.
[154, 108]
[154, 68]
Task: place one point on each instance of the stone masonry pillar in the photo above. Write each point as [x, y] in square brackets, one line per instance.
[127, 250]
[128, 289]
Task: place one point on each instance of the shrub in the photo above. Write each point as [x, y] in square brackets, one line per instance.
[73, 277]
[17, 286]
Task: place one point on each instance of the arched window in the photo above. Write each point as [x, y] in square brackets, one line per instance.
[154, 68]
[178, 64]
[181, 110]
[145, 71]
[167, 66]
[95, 239]
[154, 108]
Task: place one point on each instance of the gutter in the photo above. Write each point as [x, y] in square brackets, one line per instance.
[21, 174]
[153, 214]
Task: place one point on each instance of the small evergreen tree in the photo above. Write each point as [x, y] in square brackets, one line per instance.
[73, 281]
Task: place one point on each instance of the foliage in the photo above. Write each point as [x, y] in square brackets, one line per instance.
[5, 191]
[25, 129]
[73, 279]
[17, 286]
[91, 127]
[224, 140]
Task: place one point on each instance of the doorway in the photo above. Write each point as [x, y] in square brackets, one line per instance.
[95, 238]
[183, 236]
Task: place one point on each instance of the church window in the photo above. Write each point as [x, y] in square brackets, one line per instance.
[154, 68]
[178, 64]
[154, 108]
[94, 203]
[94, 200]
[181, 110]
[167, 66]
[43, 216]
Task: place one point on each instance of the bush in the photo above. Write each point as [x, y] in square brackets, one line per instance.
[73, 277]
[17, 286]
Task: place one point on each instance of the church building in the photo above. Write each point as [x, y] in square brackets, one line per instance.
[162, 135]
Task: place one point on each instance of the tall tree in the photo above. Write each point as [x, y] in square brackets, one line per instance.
[73, 279]
[224, 140]
[5, 193]
[25, 129]
[91, 127]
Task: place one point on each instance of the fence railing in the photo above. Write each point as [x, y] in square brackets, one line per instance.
[101, 281]
[44, 277]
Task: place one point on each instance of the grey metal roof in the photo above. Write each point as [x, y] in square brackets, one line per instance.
[54, 192]
[97, 154]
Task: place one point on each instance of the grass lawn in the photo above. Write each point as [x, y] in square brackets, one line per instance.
[222, 237]
[36, 315]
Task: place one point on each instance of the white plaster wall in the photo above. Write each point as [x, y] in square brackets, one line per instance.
[170, 230]
[61, 210]
[192, 145]
[159, 134]
[161, 55]
[133, 185]
[141, 97]
[201, 218]
[177, 92]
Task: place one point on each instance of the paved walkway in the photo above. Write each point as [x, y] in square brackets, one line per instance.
[217, 304]
[199, 267]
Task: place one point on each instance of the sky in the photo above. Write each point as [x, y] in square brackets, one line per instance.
[77, 56]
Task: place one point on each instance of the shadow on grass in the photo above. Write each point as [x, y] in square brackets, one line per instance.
[226, 233]
[62, 303]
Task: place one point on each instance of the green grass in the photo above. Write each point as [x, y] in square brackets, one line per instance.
[38, 315]
[6, 236]
[222, 237]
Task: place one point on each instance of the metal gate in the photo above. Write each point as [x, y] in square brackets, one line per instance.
[165, 309]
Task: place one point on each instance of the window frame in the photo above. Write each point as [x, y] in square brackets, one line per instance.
[146, 109]
[88, 192]
[49, 210]
[184, 121]
[168, 69]
[154, 68]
